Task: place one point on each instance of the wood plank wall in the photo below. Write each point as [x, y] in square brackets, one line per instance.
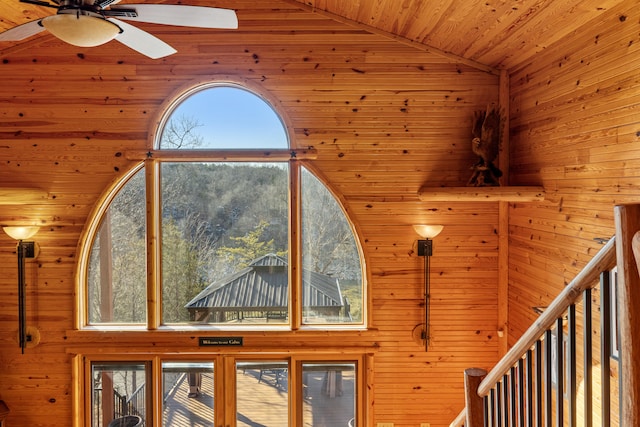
[385, 119]
[575, 128]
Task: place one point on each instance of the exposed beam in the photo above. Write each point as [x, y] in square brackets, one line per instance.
[503, 221]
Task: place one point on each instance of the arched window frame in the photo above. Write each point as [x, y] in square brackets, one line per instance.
[150, 160]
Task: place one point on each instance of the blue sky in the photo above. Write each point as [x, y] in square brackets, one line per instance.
[233, 118]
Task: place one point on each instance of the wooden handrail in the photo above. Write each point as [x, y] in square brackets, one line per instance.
[622, 251]
[604, 260]
[459, 420]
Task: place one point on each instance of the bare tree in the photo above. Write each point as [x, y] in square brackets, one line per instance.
[181, 133]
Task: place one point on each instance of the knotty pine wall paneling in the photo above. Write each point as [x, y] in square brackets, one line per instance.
[385, 118]
[575, 128]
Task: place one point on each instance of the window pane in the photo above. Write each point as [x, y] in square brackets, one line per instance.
[187, 394]
[262, 394]
[332, 274]
[117, 265]
[224, 242]
[329, 394]
[223, 117]
[119, 392]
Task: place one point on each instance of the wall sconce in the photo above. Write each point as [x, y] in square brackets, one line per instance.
[425, 249]
[24, 250]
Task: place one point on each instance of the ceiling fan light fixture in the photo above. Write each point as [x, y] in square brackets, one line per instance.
[81, 29]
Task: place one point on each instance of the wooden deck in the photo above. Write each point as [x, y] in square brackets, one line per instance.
[180, 410]
[262, 402]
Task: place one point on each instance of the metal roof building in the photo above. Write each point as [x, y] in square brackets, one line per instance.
[261, 291]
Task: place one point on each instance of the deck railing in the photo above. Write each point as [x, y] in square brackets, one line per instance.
[122, 405]
[536, 383]
[130, 405]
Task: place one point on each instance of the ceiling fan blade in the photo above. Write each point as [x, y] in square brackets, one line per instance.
[101, 4]
[141, 41]
[21, 32]
[181, 15]
[40, 3]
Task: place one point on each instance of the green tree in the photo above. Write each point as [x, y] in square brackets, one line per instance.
[216, 218]
[247, 248]
[181, 277]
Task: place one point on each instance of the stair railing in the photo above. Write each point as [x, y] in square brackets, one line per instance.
[527, 386]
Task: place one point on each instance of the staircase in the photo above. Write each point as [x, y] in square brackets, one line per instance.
[579, 363]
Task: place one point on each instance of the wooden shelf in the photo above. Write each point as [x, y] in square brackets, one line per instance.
[481, 194]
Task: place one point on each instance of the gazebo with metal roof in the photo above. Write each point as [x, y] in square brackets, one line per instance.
[260, 291]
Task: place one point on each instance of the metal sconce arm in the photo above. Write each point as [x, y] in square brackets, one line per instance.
[425, 249]
[24, 250]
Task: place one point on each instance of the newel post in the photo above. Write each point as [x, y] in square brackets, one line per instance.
[627, 219]
[473, 403]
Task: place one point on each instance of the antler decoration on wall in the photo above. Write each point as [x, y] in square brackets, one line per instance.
[487, 133]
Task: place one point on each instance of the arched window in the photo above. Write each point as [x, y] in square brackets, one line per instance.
[222, 225]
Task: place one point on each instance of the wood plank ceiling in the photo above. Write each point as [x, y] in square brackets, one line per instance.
[497, 33]
[500, 34]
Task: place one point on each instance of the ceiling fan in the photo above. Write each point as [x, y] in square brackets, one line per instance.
[89, 23]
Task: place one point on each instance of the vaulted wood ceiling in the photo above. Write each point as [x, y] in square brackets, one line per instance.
[498, 34]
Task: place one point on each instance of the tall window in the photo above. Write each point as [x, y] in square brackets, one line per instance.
[224, 224]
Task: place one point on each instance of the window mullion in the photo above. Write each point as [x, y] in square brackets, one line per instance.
[296, 392]
[152, 179]
[295, 245]
[227, 389]
[157, 394]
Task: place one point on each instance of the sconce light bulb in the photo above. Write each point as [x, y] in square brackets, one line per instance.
[427, 231]
[21, 233]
